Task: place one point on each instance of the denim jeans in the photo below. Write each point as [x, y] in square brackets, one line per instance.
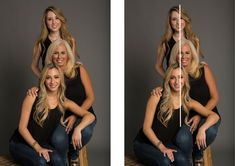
[26, 155]
[211, 133]
[151, 156]
[62, 141]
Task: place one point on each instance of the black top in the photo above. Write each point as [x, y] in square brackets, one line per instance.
[75, 91]
[199, 90]
[164, 134]
[169, 46]
[45, 44]
[40, 134]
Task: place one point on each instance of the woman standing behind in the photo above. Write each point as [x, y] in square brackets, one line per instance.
[53, 27]
[40, 116]
[176, 29]
[162, 140]
[202, 89]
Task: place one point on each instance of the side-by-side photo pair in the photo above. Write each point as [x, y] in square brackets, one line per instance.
[58, 104]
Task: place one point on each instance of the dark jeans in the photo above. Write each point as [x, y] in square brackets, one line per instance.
[151, 156]
[211, 133]
[26, 155]
[60, 137]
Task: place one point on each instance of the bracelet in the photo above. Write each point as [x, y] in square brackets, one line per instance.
[34, 143]
[159, 143]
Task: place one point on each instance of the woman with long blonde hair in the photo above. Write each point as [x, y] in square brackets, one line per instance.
[53, 27]
[203, 89]
[40, 116]
[165, 137]
[174, 31]
[78, 89]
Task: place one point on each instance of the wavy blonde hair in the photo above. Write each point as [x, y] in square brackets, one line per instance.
[195, 63]
[166, 105]
[188, 32]
[64, 32]
[70, 65]
[42, 107]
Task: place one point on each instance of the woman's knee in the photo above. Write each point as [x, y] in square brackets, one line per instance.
[184, 136]
[87, 133]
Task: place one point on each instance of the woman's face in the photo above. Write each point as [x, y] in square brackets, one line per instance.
[60, 56]
[53, 22]
[175, 22]
[185, 56]
[176, 80]
[52, 81]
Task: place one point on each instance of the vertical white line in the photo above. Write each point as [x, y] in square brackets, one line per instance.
[180, 37]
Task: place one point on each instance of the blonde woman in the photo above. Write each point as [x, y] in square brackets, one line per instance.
[203, 89]
[165, 138]
[40, 116]
[53, 27]
[78, 89]
[173, 33]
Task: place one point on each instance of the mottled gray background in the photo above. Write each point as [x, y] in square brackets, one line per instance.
[20, 26]
[213, 22]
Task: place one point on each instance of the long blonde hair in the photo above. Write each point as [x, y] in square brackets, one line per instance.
[188, 32]
[195, 63]
[70, 65]
[166, 105]
[42, 107]
[64, 32]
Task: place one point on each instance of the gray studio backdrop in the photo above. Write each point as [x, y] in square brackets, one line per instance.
[213, 22]
[20, 26]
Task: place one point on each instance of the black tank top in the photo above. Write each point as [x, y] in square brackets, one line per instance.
[165, 134]
[40, 134]
[169, 46]
[75, 91]
[45, 44]
[199, 90]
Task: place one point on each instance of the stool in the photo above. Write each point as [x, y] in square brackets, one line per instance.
[207, 156]
[83, 157]
[131, 160]
[7, 160]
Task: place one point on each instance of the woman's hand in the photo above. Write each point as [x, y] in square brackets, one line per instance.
[168, 152]
[193, 123]
[77, 138]
[33, 91]
[157, 91]
[43, 152]
[69, 122]
[201, 139]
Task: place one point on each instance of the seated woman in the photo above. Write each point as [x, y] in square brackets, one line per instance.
[40, 116]
[78, 89]
[202, 89]
[165, 137]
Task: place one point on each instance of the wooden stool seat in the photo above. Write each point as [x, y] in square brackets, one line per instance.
[7, 160]
[83, 157]
[207, 156]
[131, 160]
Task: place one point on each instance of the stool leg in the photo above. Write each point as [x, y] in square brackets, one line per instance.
[207, 156]
[83, 157]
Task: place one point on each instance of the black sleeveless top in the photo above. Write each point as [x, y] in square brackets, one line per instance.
[45, 44]
[40, 134]
[169, 46]
[199, 90]
[164, 134]
[75, 91]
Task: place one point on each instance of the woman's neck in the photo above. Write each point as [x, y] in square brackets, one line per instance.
[176, 100]
[178, 35]
[54, 36]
